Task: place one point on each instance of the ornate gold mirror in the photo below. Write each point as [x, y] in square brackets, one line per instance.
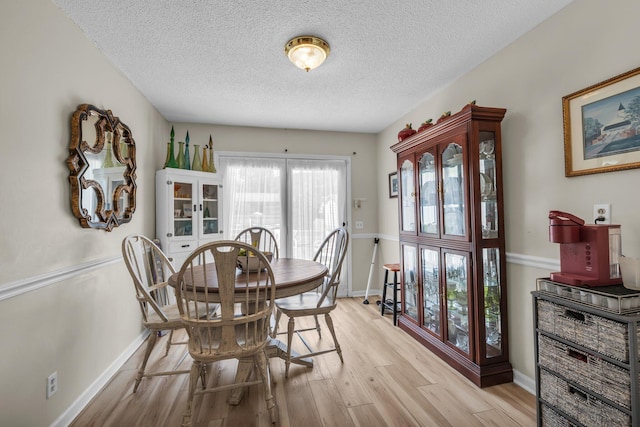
[102, 164]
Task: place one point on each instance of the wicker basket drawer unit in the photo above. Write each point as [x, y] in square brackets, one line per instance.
[579, 403]
[587, 370]
[551, 418]
[600, 334]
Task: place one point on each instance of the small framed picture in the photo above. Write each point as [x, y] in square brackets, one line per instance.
[393, 185]
[187, 211]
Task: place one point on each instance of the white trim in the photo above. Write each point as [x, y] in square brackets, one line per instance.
[393, 238]
[524, 381]
[245, 154]
[363, 236]
[534, 261]
[28, 284]
[83, 400]
[377, 292]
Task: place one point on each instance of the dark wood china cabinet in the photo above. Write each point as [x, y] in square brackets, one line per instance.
[452, 245]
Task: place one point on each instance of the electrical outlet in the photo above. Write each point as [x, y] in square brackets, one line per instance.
[359, 225]
[52, 384]
[602, 214]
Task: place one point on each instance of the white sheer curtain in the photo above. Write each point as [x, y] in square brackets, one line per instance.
[300, 200]
[317, 202]
[253, 194]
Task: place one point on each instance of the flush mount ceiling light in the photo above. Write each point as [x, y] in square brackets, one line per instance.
[307, 52]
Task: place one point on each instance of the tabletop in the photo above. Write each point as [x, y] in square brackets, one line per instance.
[292, 276]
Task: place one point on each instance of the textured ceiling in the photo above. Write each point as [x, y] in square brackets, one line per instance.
[223, 62]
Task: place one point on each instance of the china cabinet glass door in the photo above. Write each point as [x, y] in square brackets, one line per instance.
[488, 186]
[410, 281]
[428, 194]
[457, 300]
[183, 208]
[492, 298]
[453, 196]
[210, 208]
[430, 262]
[407, 197]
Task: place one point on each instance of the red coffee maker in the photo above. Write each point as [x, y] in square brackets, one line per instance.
[589, 254]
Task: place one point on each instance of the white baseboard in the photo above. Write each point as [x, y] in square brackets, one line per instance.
[525, 382]
[83, 400]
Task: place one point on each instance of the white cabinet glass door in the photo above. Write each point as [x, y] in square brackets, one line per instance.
[183, 208]
[209, 209]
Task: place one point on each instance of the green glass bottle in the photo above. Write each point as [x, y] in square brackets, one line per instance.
[205, 163]
[197, 163]
[108, 159]
[171, 162]
[187, 158]
[180, 158]
[212, 166]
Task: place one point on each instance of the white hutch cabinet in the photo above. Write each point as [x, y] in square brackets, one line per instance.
[188, 211]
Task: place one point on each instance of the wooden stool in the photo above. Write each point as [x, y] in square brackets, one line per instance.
[393, 305]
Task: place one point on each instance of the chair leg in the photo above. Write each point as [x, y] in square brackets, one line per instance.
[169, 342]
[263, 369]
[290, 331]
[151, 342]
[395, 298]
[203, 375]
[384, 291]
[315, 317]
[274, 331]
[196, 369]
[329, 321]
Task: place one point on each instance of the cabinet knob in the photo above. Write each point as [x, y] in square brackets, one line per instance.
[169, 235]
[169, 182]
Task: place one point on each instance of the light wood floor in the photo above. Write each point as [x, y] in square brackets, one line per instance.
[387, 379]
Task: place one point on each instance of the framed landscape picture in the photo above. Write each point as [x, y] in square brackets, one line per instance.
[602, 126]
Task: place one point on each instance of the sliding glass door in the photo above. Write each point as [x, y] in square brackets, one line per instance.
[317, 203]
[300, 200]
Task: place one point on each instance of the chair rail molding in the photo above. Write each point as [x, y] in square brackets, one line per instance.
[18, 287]
[28, 284]
[534, 261]
[512, 258]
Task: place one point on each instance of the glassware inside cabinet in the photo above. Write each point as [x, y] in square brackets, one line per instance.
[182, 209]
[428, 194]
[457, 299]
[492, 297]
[210, 223]
[410, 300]
[453, 190]
[430, 261]
[488, 181]
[408, 201]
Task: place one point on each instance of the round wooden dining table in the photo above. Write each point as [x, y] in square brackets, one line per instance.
[292, 276]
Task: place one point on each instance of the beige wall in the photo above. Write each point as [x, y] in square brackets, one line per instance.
[585, 43]
[85, 318]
